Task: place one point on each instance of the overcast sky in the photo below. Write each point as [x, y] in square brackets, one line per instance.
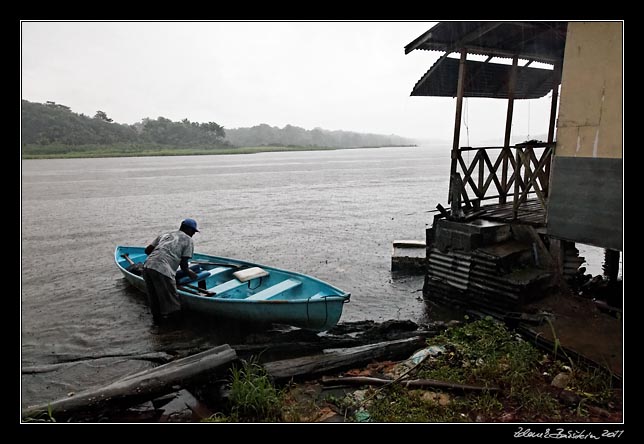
[351, 76]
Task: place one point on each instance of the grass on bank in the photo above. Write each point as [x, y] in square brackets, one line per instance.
[482, 353]
[135, 150]
[253, 398]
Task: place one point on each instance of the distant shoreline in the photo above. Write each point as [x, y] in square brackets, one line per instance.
[111, 152]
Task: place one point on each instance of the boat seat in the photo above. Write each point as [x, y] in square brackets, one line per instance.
[214, 271]
[226, 286]
[202, 275]
[250, 273]
[274, 290]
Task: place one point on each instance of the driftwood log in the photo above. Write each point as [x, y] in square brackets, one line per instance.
[287, 350]
[412, 383]
[277, 346]
[139, 387]
[155, 357]
[336, 359]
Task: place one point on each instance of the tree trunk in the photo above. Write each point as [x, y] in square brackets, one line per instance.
[139, 387]
[336, 359]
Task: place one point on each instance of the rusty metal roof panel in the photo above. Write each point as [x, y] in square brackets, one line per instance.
[538, 41]
[483, 80]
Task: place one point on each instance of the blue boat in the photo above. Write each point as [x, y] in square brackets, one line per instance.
[246, 291]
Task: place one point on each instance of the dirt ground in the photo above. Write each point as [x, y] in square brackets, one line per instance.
[580, 325]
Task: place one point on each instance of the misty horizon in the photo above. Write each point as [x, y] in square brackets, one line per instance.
[340, 76]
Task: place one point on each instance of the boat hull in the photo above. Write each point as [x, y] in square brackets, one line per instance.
[280, 297]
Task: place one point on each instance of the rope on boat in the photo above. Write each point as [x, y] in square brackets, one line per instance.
[326, 308]
[257, 286]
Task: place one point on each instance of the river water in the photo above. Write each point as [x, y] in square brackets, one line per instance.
[331, 214]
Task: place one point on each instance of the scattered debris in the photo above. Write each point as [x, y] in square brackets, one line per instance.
[475, 372]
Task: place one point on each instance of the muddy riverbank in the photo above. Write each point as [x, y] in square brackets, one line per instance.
[479, 371]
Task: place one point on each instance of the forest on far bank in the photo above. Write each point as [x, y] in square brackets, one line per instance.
[53, 130]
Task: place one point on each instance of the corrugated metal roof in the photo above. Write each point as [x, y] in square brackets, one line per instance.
[483, 80]
[538, 41]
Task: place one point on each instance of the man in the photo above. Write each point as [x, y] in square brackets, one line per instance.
[167, 252]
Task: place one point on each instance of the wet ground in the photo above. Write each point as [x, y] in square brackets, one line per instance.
[577, 323]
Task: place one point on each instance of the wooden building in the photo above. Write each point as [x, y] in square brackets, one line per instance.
[516, 211]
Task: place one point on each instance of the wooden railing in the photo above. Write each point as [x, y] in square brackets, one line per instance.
[516, 172]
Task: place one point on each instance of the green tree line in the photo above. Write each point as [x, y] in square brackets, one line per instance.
[53, 130]
[295, 136]
[55, 124]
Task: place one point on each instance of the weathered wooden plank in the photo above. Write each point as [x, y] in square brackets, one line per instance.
[469, 148]
[492, 175]
[511, 85]
[540, 167]
[141, 386]
[290, 350]
[157, 357]
[553, 105]
[506, 154]
[466, 198]
[468, 170]
[412, 383]
[530, 179]
[457, 121]
[336, 359]
[482, 158]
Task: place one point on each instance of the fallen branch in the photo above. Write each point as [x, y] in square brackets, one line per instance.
[336, 359]
[155, 357]
[292, 349]
[413, 383]
[139, 387]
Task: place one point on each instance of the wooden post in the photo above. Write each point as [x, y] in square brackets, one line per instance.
[480, 194]
[553, 103]
[517, 178]
[611, 264]
[553, 120]
[508, 128]
[455, 194]
[557, 252]
[457, 120]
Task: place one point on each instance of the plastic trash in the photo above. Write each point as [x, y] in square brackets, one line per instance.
[420, 355]
[362, 416]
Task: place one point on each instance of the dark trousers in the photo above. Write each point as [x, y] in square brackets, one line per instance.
[162, 294]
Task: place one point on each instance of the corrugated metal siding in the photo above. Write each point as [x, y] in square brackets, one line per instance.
[477, 279]
[483, 80]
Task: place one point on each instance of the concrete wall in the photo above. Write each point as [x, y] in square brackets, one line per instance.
[586, 201]
[586, 183]
[590, 108]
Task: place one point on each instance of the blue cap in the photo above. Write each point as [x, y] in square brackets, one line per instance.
[190, 223]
